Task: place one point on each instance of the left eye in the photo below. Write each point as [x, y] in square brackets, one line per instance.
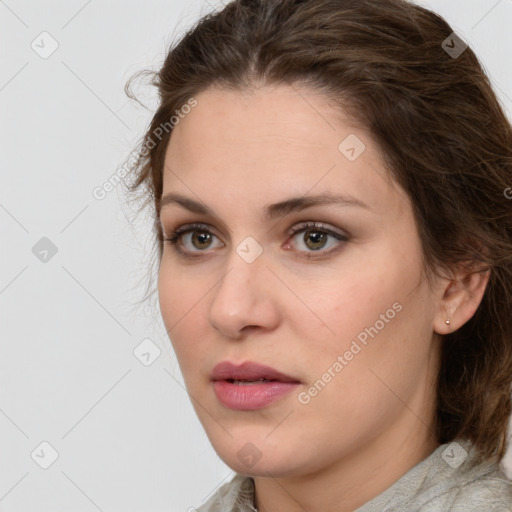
[315, 239]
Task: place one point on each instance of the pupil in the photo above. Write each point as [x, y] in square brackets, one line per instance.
[317, 238]
[202, 238]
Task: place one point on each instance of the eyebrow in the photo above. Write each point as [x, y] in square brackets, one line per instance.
[272, 211]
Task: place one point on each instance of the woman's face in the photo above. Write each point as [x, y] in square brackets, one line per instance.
[342, 308]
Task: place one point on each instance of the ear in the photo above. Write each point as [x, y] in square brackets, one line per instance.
[459, 298]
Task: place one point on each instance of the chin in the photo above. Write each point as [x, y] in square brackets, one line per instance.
[257, 457]
[268, 468]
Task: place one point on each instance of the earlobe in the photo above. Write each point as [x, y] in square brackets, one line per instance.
[461, 297]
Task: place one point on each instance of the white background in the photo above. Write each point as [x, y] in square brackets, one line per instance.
[126, 435]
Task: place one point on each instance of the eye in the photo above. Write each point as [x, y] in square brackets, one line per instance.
[198, 236]
[317, 241]
[315, 238]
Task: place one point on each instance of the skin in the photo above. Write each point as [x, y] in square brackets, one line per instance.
[237, 152]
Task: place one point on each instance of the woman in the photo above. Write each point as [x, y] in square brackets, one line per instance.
[329, 181]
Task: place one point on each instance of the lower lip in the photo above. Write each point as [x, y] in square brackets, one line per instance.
[249, 397]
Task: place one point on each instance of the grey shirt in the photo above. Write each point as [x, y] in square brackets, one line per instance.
[450, 479]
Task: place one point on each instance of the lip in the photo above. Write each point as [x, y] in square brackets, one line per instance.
[249, 397]
[249, 370]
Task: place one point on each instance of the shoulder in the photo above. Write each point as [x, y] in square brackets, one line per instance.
[490, 491]
[453, 478]
[489, 494]
[234, 496]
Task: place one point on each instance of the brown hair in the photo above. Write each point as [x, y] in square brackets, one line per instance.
[443, 134]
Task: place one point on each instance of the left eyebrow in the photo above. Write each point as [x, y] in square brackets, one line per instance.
[297, 204]
[272, 211]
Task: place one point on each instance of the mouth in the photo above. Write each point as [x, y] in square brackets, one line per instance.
[249, 372]
[246, 382]
[250, 386]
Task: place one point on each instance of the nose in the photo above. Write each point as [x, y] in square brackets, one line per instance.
[245, 298]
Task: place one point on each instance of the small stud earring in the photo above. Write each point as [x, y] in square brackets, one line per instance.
[447, 322]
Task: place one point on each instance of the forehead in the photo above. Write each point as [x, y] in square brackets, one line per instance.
[298, 117]
[272, 142]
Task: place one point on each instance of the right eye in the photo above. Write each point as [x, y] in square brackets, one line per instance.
[198, 236]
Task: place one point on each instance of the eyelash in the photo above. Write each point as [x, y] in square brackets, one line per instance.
[175, 236]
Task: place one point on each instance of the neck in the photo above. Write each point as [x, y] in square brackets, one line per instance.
[352, 481]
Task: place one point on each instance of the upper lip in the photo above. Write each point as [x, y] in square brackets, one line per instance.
[248, 371]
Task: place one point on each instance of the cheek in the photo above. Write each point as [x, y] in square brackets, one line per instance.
[369, 310]
[380, 334]
[183, 313]
[347, 301]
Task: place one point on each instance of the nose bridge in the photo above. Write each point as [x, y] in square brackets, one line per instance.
[245, 269]
[247, 259]
[241, 297]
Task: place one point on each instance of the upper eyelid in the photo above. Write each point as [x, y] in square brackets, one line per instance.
[298, 227]
[310, 210]
[192, 226]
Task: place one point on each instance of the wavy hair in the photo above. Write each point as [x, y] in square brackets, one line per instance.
[443, 133]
